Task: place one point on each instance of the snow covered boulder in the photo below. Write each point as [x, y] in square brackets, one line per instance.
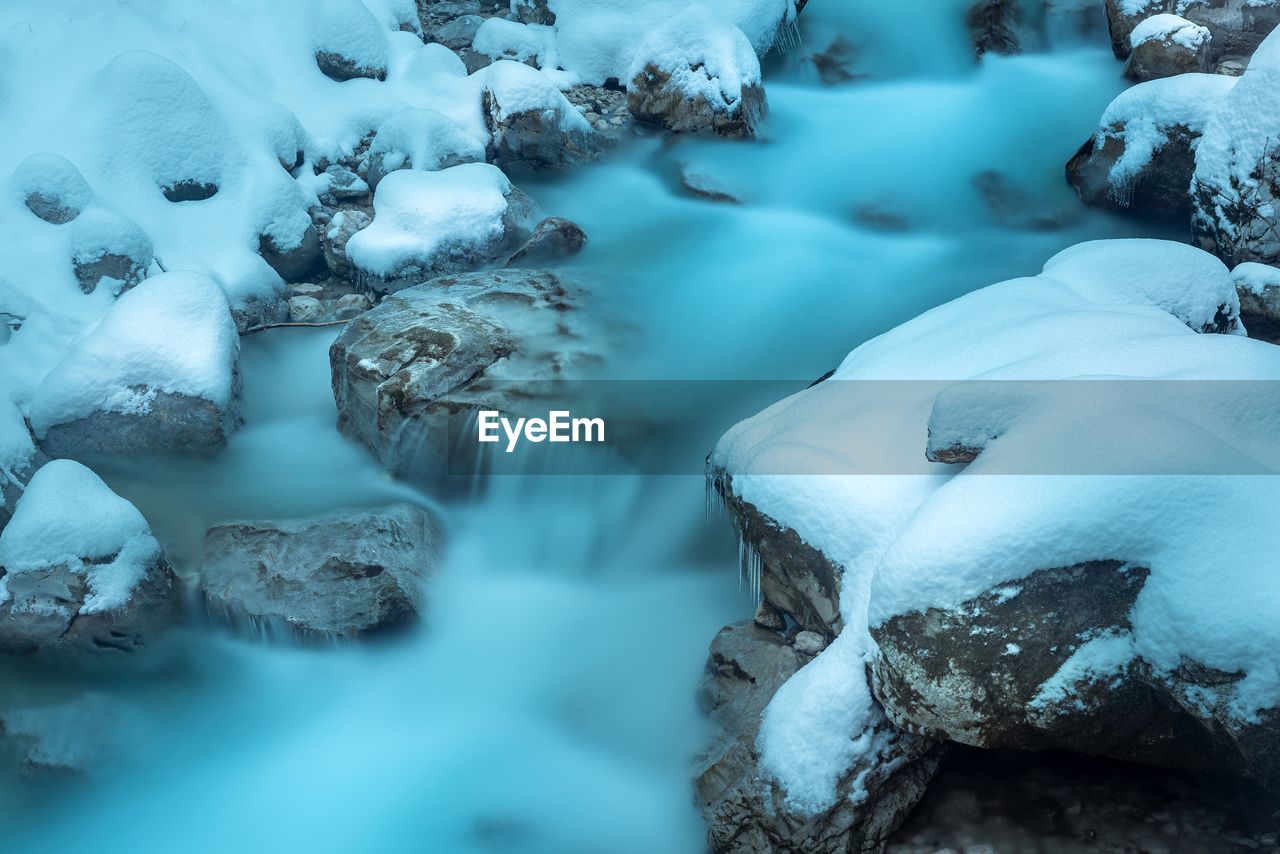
[531, 124]
[1142, 156]
[52, 188]
[19, 458]
[427, 224]
[343, 575]
[81, 576]
[697, 74]
[1237, 26]
[1237, 177]
[110, 249]
[160, 372]
[1259, 288]
[349, 41]
[424, 354]
[295, 255]
[499, 39]
[745, 813]
[533, 12]
[1167, 45]
[420, 139]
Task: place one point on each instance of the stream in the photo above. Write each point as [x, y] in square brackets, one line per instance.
[546, 705]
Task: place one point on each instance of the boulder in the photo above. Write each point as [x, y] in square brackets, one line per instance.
[345, 575]
[1167, 45]
[1259, 288]
[1237, 26]
[533, 12]
[83, 578]
[19, 458]
[305, 309]
[553, 238]
[1141, 158]
[343, 186]
[349, 41]
[531, 124]
[334, 238]
[697, 74]
[404, 369]
[498, 39]
[428, 224]
[420, 139]
[295, 254]
[159, 373]
[748, 814]
[109, 249]
[52, 188]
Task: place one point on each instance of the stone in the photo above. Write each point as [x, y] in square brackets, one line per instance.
[996, 26]
[293, 258]
[553, 238]
[1259, 288]
[809, 643]
[420, 139]
[345, 575]
[707, 186]
[1167, 45]
[456, 34]
[110, 249]
[345, 185]
[305, 309]
[20, 458]
[748, 814]
[348, 306]
[532, 126]
[84, 580]
[417, 365]
[533, 12]
[1238, 26]
[341, 68]
[333, 241]
[52, 188]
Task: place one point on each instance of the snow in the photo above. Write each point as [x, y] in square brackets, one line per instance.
[1170, 27]
[427, 139]
[347, 28]
[172, 333]
[1099, 658]
[704, 57]
[517, 88]
[16, 448]
[417, 213]
[499, 37]
[1134, 8]
[1255, 278]
[843, 464]
[98, 232]
[1143, 116]
[68, 516]
[54, 177]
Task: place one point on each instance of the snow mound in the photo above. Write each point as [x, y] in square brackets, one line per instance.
[912, 534]
[349, 36]
[703, 55]
[421, 139]
[173, 333]
[51, 187]
[1169, 27]
[500, 38]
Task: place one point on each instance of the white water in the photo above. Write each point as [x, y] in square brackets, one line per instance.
[547, 704]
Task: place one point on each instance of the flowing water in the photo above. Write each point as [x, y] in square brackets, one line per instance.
[547, 703]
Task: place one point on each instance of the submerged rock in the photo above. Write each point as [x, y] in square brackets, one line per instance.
[402, 370]
[344, 575]
[553, 238]
[995, 26]
[82, 577]
[87, 736]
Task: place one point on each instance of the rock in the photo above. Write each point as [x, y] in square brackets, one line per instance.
[1259, 288]
[708, 186]
[424, 354]
[349, 42]
[457, 33]
[344, 575]
[87, 736]
[83, 577]
[698, 74]
[996, 26]
[345, 185]
[498, 39]
[1047, 662]
[809, 643]
[1238, 26]
[834, 64]
[1232, 66]
[533, 12]
[1167, 45]
[307, 289]
[746, 812]
[351, 305]
[333, 241]
[110, 249]
[160, 372]
[428, 224]
[52, 188]
[19, 458]
[305, 309]
[420, 139]
[293, 257]
[337, 67]
[530, 122]
[553, 238]
[1141, 158]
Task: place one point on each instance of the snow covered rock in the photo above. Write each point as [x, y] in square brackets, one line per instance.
[349, 41]
[334, 238]
[533, 12]
[19, 458]
[1167, 45]
[553, 238]
[1142, 156]
[401, 370]
[1237, 26]
[343, 186]
[498, 39]
[745, 813]
[531, 124]
[1259, 288]
[427, 224]
[160, 372]
[1027, 596]
[697, 74]
[82, 575]
[343, 575]
[52, 188]
[420, 139]
[108, 248]
[1237, 175]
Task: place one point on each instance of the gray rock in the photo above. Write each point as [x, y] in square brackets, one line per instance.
[305, 309]
[533, 12]
[404, 369]
[1162, 187]
[544, 137]
[1167, 57]
[295, 260]
[457, 33]
[986, 673]
[707, 186]
[333, 240]
[1238, 26]
[345, 575]
[746, 813]
[653, 99]
[1258, 286]
[348, 306]
[254, 310]
[173, 423]
[809, 643]
[553, 238]
[335, 66]
[345, 185]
